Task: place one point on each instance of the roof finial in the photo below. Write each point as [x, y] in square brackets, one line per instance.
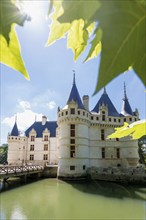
[125, 95]
[104, 91]
[74, 78]
[35, 118]
[16, 118]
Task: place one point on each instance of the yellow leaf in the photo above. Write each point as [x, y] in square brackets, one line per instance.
[136, 130]
[11, 55]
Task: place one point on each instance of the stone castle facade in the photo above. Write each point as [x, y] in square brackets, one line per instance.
[78, 139]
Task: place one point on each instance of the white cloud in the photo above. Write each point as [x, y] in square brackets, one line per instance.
[24, 105]
[43, 100]
[24, 119]
[51, 105]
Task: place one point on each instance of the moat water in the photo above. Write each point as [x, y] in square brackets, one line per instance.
[54, 199]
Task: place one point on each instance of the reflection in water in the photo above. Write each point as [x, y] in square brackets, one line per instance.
[55, 199]
[17, 214]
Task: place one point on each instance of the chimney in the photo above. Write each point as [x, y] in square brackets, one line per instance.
[44, 120]
[86, 102]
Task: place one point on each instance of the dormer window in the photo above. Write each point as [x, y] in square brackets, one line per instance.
[103, 115]
[32, 138]
[72, 111]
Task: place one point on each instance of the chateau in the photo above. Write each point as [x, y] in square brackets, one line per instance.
[78, 139]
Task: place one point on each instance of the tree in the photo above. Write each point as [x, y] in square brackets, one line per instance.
[114, 28]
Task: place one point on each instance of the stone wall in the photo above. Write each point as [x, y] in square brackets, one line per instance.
[123, 175]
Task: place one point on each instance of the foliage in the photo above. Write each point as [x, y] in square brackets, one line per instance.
[3, 153]
[10, 48]
[119, 26]
[136, 130]
[115, 27]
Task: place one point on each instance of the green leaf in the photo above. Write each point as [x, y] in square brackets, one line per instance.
[96, 45]
[10, 54]
[123, 39]
[123, 43]
[77, 38]
[10, 14]
[57, 29]
[80, 9]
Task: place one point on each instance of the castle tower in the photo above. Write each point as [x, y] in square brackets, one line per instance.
[73, 137]
[126, 110]
[104, 119]
[16, 147]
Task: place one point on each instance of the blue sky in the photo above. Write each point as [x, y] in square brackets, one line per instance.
[51, 74]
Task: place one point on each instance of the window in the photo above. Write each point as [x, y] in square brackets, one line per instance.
[45, 156]
[124, 119]
[72, 151]
[135, 119]
[119, 120]
[31, 157]
[32, 147]
[72, 126]
[110, 119]
[32, 138]
[130, 119]
[45, 137]
[118, 152]
[66, 112]
[62, 114]
[102, 135]
[45, 147]
[115, 119]
[72, 141]
[117, 139]
[84, 167]
[91, 117]
[87, 114]
[78, 112]
[72, 111]
[84, 113]
[72, 167]
[103, 115]
[97, 118]
[72, 130]
[103, 152]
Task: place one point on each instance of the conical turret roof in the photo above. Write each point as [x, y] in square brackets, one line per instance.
[104, 99]
[126, 108]
[74, 95]
[15, 131]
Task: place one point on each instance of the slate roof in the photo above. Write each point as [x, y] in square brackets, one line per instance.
[74, 96]
[126, 108]
[39, 128]
[107, 102]
[15, 131]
